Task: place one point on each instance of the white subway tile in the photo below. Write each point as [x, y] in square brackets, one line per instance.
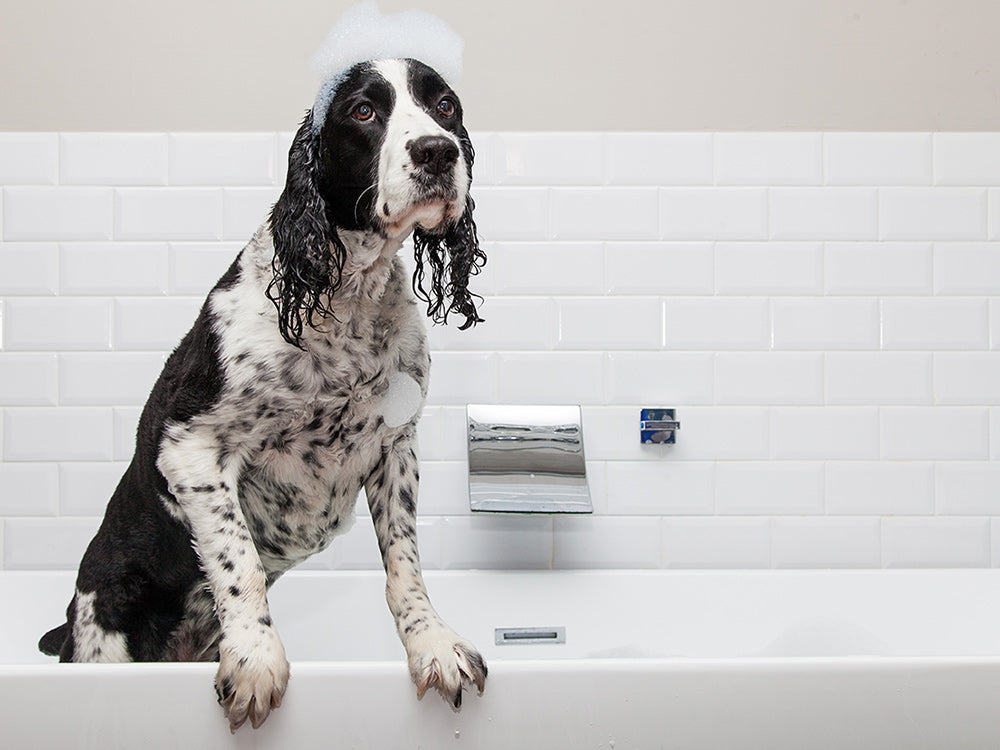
[826, 543]
[609, 323]
[935, 433]
[28, 380]
[283, 144]
[605, 213]
[672, 268]
[994, 434]
[612, 433]
[544, 268]
[769, 158]
[972, 268]
[994, 213]
[483, 165]
[916, 323]
[442, 434]
[430, 543]
[512, 213]
[932, 214]
[720, 434]
[459, 378]
[967, 378]
[29, 158]
[659, 158]
[549, 159]
[59, 323]
[194, 268]
[824, 213]
[967, 488]
[741, 542]
[877, 158]
[651, 378]
[769, 268]
[511, 323]
[717, 324]
[29, 489]
[86, 488]
[826, 323]
[768, 378]
[768, 488]
[222, 159]
[879, 378]
[713, 213]
[935, 542]
[29, 268]
[57, 434]
[47, 543]
[551, 378]
[113, 268]
[113, 158]
[108, 378]
[878, 268]
[607, 542]
[245, 209]
[967, 158]
[57, 213]
[356, 549]
[444, 488]
[126, 422]
[659, 488]
[502, 542]
[824, 433]
[877, 488]
[153, 324]
[994, 323]
[168, 214]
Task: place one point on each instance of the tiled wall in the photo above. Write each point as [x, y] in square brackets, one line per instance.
[823, 309]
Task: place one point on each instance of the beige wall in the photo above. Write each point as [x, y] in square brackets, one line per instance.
[123, 65]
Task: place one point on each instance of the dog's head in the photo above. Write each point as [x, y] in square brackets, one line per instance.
[389, 155]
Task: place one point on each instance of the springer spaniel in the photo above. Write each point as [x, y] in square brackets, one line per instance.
[300, 383]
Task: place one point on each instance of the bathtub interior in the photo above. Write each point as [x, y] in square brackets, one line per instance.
[342, 617]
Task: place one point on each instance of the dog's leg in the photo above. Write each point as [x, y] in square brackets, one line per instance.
[253, 671]
[437, 656]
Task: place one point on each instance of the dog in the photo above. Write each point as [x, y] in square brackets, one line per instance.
[299, 384]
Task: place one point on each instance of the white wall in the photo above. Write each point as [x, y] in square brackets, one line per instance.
[822, 308]
[588, 65]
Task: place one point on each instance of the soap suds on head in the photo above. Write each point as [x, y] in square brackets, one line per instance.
[364, 34]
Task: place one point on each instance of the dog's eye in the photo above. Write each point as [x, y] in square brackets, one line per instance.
[446, 107]
[363, 112]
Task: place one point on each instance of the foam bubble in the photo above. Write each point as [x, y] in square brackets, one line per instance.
[362, 33]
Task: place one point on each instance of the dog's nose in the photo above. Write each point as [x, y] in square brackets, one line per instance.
[434, 154]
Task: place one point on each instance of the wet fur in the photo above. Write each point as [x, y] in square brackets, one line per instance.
[267, 419]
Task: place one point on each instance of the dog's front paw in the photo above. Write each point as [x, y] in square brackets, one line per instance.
[440, 658]
[252, 677]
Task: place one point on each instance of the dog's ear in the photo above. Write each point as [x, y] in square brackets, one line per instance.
[308, 253]
[453, 257]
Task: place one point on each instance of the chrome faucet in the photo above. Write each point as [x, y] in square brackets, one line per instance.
[527, 459]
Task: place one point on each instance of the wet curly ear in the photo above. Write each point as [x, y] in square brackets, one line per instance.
[453, 257]
[308, 253]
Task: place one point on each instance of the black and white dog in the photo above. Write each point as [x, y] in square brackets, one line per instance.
[300, 383]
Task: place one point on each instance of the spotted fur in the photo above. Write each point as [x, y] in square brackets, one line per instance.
[272, 414]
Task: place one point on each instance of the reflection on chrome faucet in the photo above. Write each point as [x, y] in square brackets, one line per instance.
[527, 459]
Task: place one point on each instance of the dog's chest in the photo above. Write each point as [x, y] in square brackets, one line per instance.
[314, 427]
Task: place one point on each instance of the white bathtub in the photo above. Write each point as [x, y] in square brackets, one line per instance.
[864, 660]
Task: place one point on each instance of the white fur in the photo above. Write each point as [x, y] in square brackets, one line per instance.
[91, 642]
[398, 201]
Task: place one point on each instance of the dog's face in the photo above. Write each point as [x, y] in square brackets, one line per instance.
[392, 156]
[394, 152]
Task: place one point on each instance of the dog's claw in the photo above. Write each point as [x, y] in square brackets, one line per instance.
[249, 688]
[446, 662]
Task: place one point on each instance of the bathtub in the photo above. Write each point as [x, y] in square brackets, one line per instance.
[658, 659]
